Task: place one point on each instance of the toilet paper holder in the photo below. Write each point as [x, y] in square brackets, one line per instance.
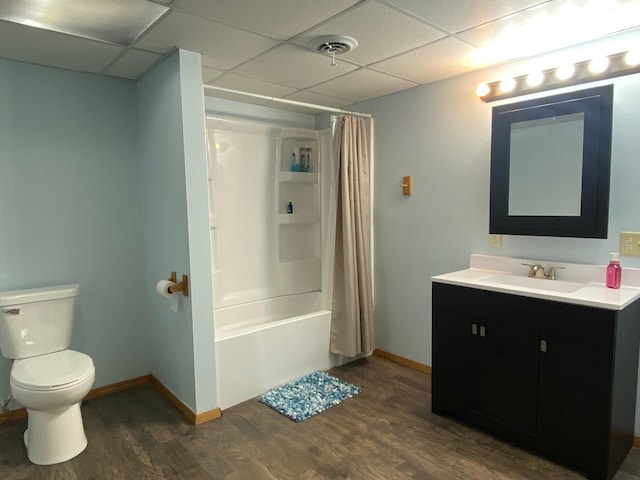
[182, 286]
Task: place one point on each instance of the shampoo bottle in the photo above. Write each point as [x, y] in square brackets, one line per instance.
[614, 271]
[295, 165]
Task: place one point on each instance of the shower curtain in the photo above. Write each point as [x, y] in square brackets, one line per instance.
[352, 329]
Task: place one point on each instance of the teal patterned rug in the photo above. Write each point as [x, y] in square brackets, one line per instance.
[309, 395]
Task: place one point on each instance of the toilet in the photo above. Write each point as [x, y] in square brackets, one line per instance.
[47, 378]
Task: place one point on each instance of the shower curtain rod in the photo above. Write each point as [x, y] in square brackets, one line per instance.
[290, 102]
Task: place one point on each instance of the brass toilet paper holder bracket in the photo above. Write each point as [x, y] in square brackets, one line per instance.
[182, 286]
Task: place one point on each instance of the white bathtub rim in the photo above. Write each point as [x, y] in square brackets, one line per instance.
[233, 331]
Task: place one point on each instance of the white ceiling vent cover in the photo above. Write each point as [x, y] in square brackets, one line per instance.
[333, 45]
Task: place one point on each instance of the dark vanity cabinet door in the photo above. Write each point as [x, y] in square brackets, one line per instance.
[486, 362]
[558, 378]
[509, 370]
[575, 392]
[455, 352]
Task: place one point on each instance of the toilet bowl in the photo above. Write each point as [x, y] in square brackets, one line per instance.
[47, 378]
[51, 388]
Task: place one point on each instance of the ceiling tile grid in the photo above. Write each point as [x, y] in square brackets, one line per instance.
[381, 32]
[293, 66]
[458, 15]
[132, 64]
[43, 47]
[261, 46]
[435, 61]
[281, 19]
[351, 85]
[226, 46]
[247, 84]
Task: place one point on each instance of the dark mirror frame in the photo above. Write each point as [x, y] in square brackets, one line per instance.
[597, 106]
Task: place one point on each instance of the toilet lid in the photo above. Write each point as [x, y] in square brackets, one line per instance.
[52, 371]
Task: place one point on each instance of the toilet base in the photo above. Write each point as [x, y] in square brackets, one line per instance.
[55, 436]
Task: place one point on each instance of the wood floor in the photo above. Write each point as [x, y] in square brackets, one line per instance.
[385, 432]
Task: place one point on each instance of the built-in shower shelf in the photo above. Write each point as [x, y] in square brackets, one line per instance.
[297, 218]
[298, 177]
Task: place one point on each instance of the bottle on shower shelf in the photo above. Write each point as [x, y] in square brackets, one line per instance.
[295, 165]
[308, 168]
[290, 207]
[303, 160]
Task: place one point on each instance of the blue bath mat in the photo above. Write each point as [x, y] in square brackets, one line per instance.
[309, 395]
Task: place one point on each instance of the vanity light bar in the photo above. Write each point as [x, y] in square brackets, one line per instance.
[624, 63]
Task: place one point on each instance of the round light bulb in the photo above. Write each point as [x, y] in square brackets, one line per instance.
[565, 72]
[483, 90]
[507, 85]
[632, 58]
[535, 78]
[598, 65]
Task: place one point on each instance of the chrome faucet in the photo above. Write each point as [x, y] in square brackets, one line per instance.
[537, 271]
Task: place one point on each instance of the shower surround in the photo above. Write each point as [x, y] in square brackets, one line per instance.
[270, 324]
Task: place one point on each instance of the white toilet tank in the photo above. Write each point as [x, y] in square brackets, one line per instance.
[36, 321]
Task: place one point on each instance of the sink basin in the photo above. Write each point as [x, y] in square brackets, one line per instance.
[533, 283]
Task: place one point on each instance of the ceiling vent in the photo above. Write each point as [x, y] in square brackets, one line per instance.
[333, 45]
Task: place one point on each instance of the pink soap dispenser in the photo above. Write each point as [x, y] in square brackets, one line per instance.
[614, 271]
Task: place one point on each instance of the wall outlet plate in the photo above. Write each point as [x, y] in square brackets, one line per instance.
[630, 243]
[495, 240]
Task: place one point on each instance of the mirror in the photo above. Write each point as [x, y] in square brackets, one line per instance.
[550, 165]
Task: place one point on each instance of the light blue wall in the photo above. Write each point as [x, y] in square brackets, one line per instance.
[440, 133]
[172, 154]
[196, 176]
[70, 207]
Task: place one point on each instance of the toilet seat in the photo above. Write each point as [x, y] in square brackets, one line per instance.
[53, 371]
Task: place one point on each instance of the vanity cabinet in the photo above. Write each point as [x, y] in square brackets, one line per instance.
[554, 377]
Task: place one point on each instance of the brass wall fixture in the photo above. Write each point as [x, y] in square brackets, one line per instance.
[407, 185]
[182, 286]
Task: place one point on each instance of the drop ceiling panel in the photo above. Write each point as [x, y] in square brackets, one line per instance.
[551, 26]
[114, 21]
[438, 60]
[293, 66]
[293, 108]
[380, 31]
[277, 18]
[457, 15]
[132, 64]
[235, 97]
[209, 74]
[307, 96]
[245, 84]
[351, 85]
[225, 46]
[34, 45]
[401, 42]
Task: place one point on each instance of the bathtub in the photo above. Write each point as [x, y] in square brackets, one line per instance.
[264, 344]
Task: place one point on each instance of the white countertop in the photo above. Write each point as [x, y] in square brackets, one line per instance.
[576, 284]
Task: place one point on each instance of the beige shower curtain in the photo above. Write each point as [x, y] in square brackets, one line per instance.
[352, 330]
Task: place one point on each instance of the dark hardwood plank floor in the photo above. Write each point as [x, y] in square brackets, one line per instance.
[385, 432]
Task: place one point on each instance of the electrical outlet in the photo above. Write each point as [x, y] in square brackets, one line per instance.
[630, 243]
[495, 240]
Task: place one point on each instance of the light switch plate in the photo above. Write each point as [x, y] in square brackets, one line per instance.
[630, 243]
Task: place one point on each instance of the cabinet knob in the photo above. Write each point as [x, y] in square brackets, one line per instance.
[474, 329]
[483, 331]
[543, 346]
